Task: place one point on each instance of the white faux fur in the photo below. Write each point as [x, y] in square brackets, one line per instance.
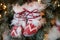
[14, 22]
[19, 32]
[37, 22]
[35, 5]
[40, 6]
[17, 8]
[18, 22]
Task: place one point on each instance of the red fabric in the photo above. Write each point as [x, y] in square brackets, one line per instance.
[13, 34]
[21, 14]
[29, 31]
[33, 11]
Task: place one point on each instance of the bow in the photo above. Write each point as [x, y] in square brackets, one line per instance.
[35, 11]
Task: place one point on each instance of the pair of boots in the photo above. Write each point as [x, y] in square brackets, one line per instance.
[26, 23]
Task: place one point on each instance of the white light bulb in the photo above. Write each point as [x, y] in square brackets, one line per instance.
[0, 16]
[39, 1]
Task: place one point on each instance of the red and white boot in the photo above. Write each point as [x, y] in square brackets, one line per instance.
[16, 32]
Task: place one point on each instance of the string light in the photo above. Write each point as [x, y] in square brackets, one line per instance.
[0, 16]
[5, 12]
[45, 37]
[4, 6]
[58, 5]
[1, 4]
[55, 2]
[39, 1]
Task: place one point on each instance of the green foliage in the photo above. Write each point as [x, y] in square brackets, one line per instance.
[40, 35]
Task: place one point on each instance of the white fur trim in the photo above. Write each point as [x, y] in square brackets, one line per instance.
[17, 9]
[18, 22]
[36, 5]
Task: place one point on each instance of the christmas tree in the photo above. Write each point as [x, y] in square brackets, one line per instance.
[6, 15]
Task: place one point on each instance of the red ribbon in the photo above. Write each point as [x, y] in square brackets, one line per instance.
[31, 12]
[20, 13]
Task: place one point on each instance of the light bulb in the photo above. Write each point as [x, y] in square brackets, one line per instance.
[1, 4]
[58, 5]
[39, 1]
[4, 6]
[0, 16]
